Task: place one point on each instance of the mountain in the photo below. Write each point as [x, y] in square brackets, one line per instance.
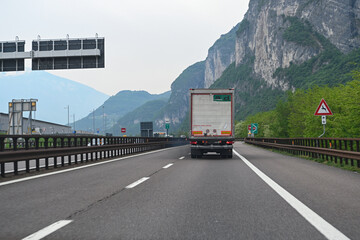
[145, 113]
[175, 110]
[53, 93]
[199, 75]
[107, 115]
[284, 46]
[278, 46]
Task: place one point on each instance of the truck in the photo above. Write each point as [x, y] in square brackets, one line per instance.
[212, 122]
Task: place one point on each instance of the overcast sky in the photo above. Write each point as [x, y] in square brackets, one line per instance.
[148, 43]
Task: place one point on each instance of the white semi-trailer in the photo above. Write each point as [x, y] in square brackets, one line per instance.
[212, 122]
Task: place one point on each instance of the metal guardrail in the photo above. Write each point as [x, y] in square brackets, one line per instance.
[71, 149]
[330, 149]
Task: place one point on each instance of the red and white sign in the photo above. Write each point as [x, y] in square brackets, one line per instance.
[323, 109]
[249, 127]
[123, 130]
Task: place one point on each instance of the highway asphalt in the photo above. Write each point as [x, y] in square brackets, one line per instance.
[208, 198]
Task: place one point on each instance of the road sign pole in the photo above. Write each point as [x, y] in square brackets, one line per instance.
[323, 132]
[323, 121]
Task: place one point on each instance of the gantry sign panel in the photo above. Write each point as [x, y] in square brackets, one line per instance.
[68, 54]
[53, 54]
[12, 56]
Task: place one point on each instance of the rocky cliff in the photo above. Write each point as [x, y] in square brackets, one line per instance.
[266, 33]
[220, 56]
[280, 45]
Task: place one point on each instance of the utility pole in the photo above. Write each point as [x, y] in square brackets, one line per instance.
[68, 110]
[103, 107]
[74, 123]
[94, 120]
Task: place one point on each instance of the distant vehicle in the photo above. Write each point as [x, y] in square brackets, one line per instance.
[211, 122]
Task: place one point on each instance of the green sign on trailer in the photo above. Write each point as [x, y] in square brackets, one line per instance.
[222, 98]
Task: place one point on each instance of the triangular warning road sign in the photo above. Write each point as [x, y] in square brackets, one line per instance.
[323, 109]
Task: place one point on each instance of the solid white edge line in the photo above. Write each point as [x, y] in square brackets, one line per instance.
[80, 167]
[134, 184]
[329, 231]
[48, 230]
[169, 165]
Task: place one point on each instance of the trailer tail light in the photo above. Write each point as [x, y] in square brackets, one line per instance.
[229, 142]
[193, 142]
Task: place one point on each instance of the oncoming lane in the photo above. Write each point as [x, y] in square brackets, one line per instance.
[31, 204]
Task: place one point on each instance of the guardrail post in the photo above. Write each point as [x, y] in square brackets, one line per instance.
[46, 163]
[46, 142]
[2, 169]
[37, 164]
[16, 168]
[335, 147]
[27, 166]
[352, 149]
[346, 148]
[37, 143]
[55, 144]
[26, 143]
[15, 143]
[2, 144]
[340, 147]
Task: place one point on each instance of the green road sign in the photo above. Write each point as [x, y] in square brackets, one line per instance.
[254, 128]
[222, 98]
[167, 125]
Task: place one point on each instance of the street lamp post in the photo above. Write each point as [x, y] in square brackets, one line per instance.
[103, 107]
[94, 120]
[74, 123]
[68, 110]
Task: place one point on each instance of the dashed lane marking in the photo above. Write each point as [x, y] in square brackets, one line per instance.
[169, 165]
[134, 184]
[48, 230]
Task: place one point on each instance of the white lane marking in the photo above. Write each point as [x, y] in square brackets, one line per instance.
[134, 184]
[329, 231]
[169, 165]
[78, 168]
[182, 158]
[48, 230]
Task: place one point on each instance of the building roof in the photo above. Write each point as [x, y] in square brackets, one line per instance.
[36, 120]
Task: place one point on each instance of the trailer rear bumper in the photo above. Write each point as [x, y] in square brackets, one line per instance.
[223, 150]
[211, 148]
